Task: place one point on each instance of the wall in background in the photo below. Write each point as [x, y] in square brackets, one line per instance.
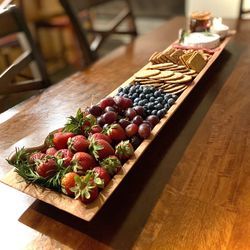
[223, 8]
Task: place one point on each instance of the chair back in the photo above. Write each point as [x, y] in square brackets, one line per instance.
[89, 48]
[13, 22]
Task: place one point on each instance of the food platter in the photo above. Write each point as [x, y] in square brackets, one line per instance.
[76, 207]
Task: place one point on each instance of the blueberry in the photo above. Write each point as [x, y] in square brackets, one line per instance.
[141, 103]
[171, 101]
[134, 95]
[157, 93]
[151, 99]
[174, 97]
[151, 105]
[142, 95]
[159, 106]
[159, 99]
[166, 106]
[167, 96]
[137, 99]
[125, 95]
[154, 112]
[160, 113]
[125, 90]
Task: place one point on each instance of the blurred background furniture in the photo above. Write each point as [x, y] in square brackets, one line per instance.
[27, 72]
[244, 9]
[90, 44]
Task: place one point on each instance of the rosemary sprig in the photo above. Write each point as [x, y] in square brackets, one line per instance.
[74, 124]
[27, 171]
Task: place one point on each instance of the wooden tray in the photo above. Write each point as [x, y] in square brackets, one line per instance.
[76, 207]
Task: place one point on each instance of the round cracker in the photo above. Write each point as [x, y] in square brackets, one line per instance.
[147, 73]
[184, 79]
[160, 65]
[175, 76]
[163, 74]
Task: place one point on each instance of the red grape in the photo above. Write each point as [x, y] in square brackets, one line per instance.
[95, 110]
[108, 101]
[153, 119]
[144, 130]
[139, 110]
[137, 120]
[124, 122]
[109, 117]
[131, 129]
[130, 113]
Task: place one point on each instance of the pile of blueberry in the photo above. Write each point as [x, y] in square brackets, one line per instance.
[153, 100]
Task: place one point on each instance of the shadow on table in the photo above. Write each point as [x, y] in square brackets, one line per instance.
[121, 220]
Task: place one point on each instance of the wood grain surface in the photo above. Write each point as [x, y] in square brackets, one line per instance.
[190, 190]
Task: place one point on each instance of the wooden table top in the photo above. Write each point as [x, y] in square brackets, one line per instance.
[190, 189]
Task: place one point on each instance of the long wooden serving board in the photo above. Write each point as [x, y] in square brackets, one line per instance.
[76, 207]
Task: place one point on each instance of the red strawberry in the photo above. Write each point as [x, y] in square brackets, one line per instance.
[82, 162]
[60, 139]
[51, 151]
[78, 143]
[85, 189]
[124, 150]
[102, 174]
[46, 167]
[112, 164]
[116, 132]
[95, 129]
[68, 182]
[36, 156]
[100, 149]
[65, 155]
[98, 136]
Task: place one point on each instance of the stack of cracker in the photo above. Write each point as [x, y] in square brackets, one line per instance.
[169, 81]
[195, 60]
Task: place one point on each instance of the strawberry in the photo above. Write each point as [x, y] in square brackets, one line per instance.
[51, 151]
[36, 156]
[65, 155]
[112, 164]
[102, 174]
[95, 129]
[60, 139]
[124, 150]
[98, 136]
[68, 182]
[82, 162]
[46, 167]
[101, 149]
[78, 143]
[116, 132]
[85, 189]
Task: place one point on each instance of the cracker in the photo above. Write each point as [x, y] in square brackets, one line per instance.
[176, 54]
[190, 72]
[184, 79]
[163, 74]
[175, 76]
[153, 55]
[179, 91]
[147, 73]
[175, 90]
[196, 62]
[160, 65]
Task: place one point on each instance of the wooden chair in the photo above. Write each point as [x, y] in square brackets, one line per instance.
[13, 22]
[243, 11]
[88, 48]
